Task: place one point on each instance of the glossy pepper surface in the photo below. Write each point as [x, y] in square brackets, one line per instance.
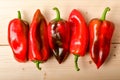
[101, 32]
[79, 35]
[38, 39]
[59, 37]
[18, 38]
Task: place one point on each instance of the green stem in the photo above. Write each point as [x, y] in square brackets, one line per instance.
[58, 14]
[76, 64]
[104, 13]
[37, 64]
[19, 15]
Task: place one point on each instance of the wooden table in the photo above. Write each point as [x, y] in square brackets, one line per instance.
[51, 70]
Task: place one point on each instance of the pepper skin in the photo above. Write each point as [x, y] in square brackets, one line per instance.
[79, 35]
[59, 37]
[38, 39]
[101, 32]
[18, 38]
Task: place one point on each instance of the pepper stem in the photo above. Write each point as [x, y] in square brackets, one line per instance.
[76, 64]
[19, 15]
[37, 64]
[58, 14]
[104, 13]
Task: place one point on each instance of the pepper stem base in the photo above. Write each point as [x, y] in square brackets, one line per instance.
[104, 13]
[75, 61]
[37, 64]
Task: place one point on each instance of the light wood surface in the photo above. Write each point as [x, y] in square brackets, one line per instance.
[51, 70]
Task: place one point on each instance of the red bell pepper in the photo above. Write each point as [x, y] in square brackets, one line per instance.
[59, 37]
[38, 39]
[79, 35]
[101, 32]
[18, 38]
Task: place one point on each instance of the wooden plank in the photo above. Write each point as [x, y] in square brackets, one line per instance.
[51, 70]
[89, 9]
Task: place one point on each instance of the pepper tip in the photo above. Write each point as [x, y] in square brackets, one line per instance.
[108, 8]
[78, 69]
[54, 8]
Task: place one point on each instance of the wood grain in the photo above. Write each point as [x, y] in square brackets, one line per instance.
[51, 70]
